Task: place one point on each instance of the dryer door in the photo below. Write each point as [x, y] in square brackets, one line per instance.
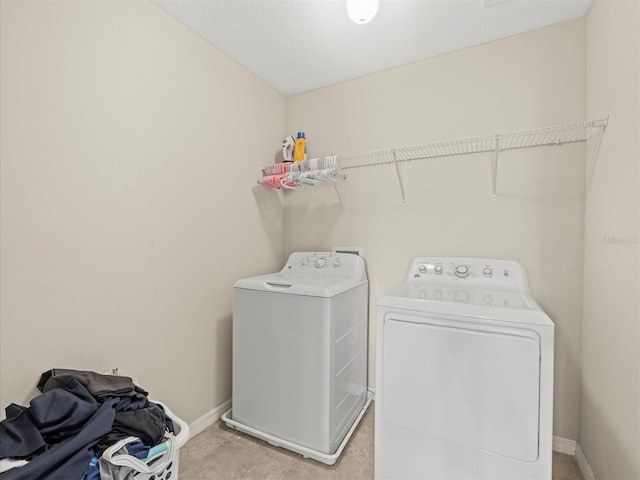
[473, 384]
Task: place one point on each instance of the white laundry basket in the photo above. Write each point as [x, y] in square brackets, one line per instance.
[165, 465]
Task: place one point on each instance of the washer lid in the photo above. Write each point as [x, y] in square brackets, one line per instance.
[502, 305]
[299, 284]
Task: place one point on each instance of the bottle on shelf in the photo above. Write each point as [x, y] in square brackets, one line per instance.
[287, 148]
[300, 148]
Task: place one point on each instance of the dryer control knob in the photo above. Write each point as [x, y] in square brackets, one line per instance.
[321, 262]
[462, 271]
[438, 269]
[422, 267]
[487, 272]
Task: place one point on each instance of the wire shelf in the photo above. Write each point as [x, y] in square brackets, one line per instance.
[549, 136]
[572, 133]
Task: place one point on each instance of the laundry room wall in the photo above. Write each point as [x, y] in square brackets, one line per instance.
[610, 406]
[130, 149]
[528, 81]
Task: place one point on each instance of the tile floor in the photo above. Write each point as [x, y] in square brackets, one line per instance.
[222, 453]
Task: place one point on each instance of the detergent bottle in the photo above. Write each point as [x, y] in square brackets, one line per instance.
[300, 148]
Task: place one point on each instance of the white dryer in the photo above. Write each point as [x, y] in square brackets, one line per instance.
[464, 374]
[300, 354]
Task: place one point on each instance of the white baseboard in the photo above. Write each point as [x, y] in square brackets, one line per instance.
[564, 445]
[208, 419]
[571, 447]
[585, 468]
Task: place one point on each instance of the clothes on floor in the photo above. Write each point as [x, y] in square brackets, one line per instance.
[78, 416]
[50, 418]
[117, 463]
[98, 384]
[9, 463]
[68, 459]
[136, 449]
[149, 424]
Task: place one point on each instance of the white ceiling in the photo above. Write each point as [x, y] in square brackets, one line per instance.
[300, 45]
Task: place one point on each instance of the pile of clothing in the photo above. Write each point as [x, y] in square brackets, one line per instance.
[80, 414]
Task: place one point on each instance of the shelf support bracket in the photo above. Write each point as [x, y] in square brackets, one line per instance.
[494, 166]
[335, 187]
[395, 162]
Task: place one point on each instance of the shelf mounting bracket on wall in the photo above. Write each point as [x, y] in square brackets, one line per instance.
[395, 161]
[335, 187]
[494, 166]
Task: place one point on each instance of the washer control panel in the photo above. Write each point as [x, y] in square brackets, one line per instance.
[470, 272]
[324, 264]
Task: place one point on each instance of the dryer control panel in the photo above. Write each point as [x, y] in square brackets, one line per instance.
[481, 273]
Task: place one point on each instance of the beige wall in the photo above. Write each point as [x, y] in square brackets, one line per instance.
[610, 407]
[129, 151]
[532, 80]
[122, 231]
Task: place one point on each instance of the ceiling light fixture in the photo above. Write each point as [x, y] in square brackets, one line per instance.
[362, 11]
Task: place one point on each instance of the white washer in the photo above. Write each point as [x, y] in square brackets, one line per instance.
[300, 354]
[464, 374]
